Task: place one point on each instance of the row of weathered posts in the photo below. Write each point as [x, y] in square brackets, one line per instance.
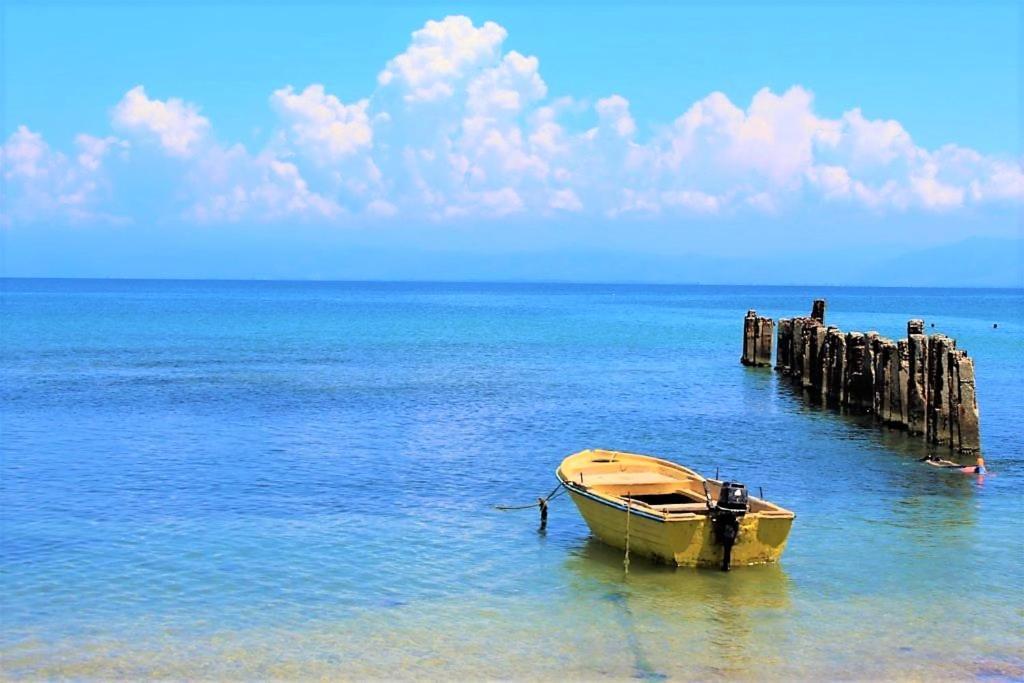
[924, 385]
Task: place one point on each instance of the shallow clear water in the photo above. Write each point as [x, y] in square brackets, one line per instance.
[297, 479]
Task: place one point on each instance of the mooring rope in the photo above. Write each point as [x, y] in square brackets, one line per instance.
[629, 507]
[555, 493]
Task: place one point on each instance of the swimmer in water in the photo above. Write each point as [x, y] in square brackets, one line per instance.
[936, 461]
[979, 467]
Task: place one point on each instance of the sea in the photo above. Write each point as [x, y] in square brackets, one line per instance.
[241, 480]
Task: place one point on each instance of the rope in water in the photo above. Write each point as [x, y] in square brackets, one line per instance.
[629, 513]
[555, 493]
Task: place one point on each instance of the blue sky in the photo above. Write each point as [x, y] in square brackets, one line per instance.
[691, 129]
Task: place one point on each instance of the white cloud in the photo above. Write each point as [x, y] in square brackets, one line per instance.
[833, 181]
[763, 202]
[566, 200]
[770, 145]
[547, 137]
[92, 150]
[441, 55]
[934, 194]
[461, 128]
[321, 124]
[381, 208]
[25, 155]
[761, 157]
[42, 183]
[176, 125]
[506, 88]
[1000, 181]
[865, 144]
[489, 203]
[613, 113]
[229, 185]
[695, 201]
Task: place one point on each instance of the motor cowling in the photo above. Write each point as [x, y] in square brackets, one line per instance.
[733, 497]
[733, 503]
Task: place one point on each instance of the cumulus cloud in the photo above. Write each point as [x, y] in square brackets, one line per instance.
[565, 200]
[381, 208]
[442, 55]
[229, 185]
[691, 200]
[777, 150]
[93, 150]
[458, 127]
[321, 124]
[176, 125]
[26, 155]
[507, 87]
[613, 113]
[42, 183]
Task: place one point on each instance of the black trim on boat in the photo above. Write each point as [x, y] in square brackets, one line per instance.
[575, 488]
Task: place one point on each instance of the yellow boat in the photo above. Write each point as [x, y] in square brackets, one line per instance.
[672, 514]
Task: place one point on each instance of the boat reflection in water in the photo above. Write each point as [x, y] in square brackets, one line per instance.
[695, 624]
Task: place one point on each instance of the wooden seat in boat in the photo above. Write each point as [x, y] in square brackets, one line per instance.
[627, 478]
[682, 507]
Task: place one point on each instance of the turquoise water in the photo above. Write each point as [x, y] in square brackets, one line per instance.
[232, 480]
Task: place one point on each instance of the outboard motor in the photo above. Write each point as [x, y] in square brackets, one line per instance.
[733, 503]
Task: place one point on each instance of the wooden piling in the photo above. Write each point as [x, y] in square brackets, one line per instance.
[917, 384]
[921, 384]
[836, 370]
[817, 375]
[938, 429]
[765, 334]
[818, 310]
[757, 340]
[968, 437]
[783, 349]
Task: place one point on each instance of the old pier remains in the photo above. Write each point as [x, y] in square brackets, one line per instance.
[923, 385]
[757, 340]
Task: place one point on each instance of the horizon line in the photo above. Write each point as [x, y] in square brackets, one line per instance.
[618, 283]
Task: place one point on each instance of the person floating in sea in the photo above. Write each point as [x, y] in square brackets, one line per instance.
[977, 468]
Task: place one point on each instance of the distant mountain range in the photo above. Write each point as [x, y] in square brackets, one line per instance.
[976, 262]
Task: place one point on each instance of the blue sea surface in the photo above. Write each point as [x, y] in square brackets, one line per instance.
[275, 479]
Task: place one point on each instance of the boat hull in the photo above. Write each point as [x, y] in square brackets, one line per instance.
[662, 510]
[688, 541]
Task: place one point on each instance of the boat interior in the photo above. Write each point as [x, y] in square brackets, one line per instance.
[649, 482]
